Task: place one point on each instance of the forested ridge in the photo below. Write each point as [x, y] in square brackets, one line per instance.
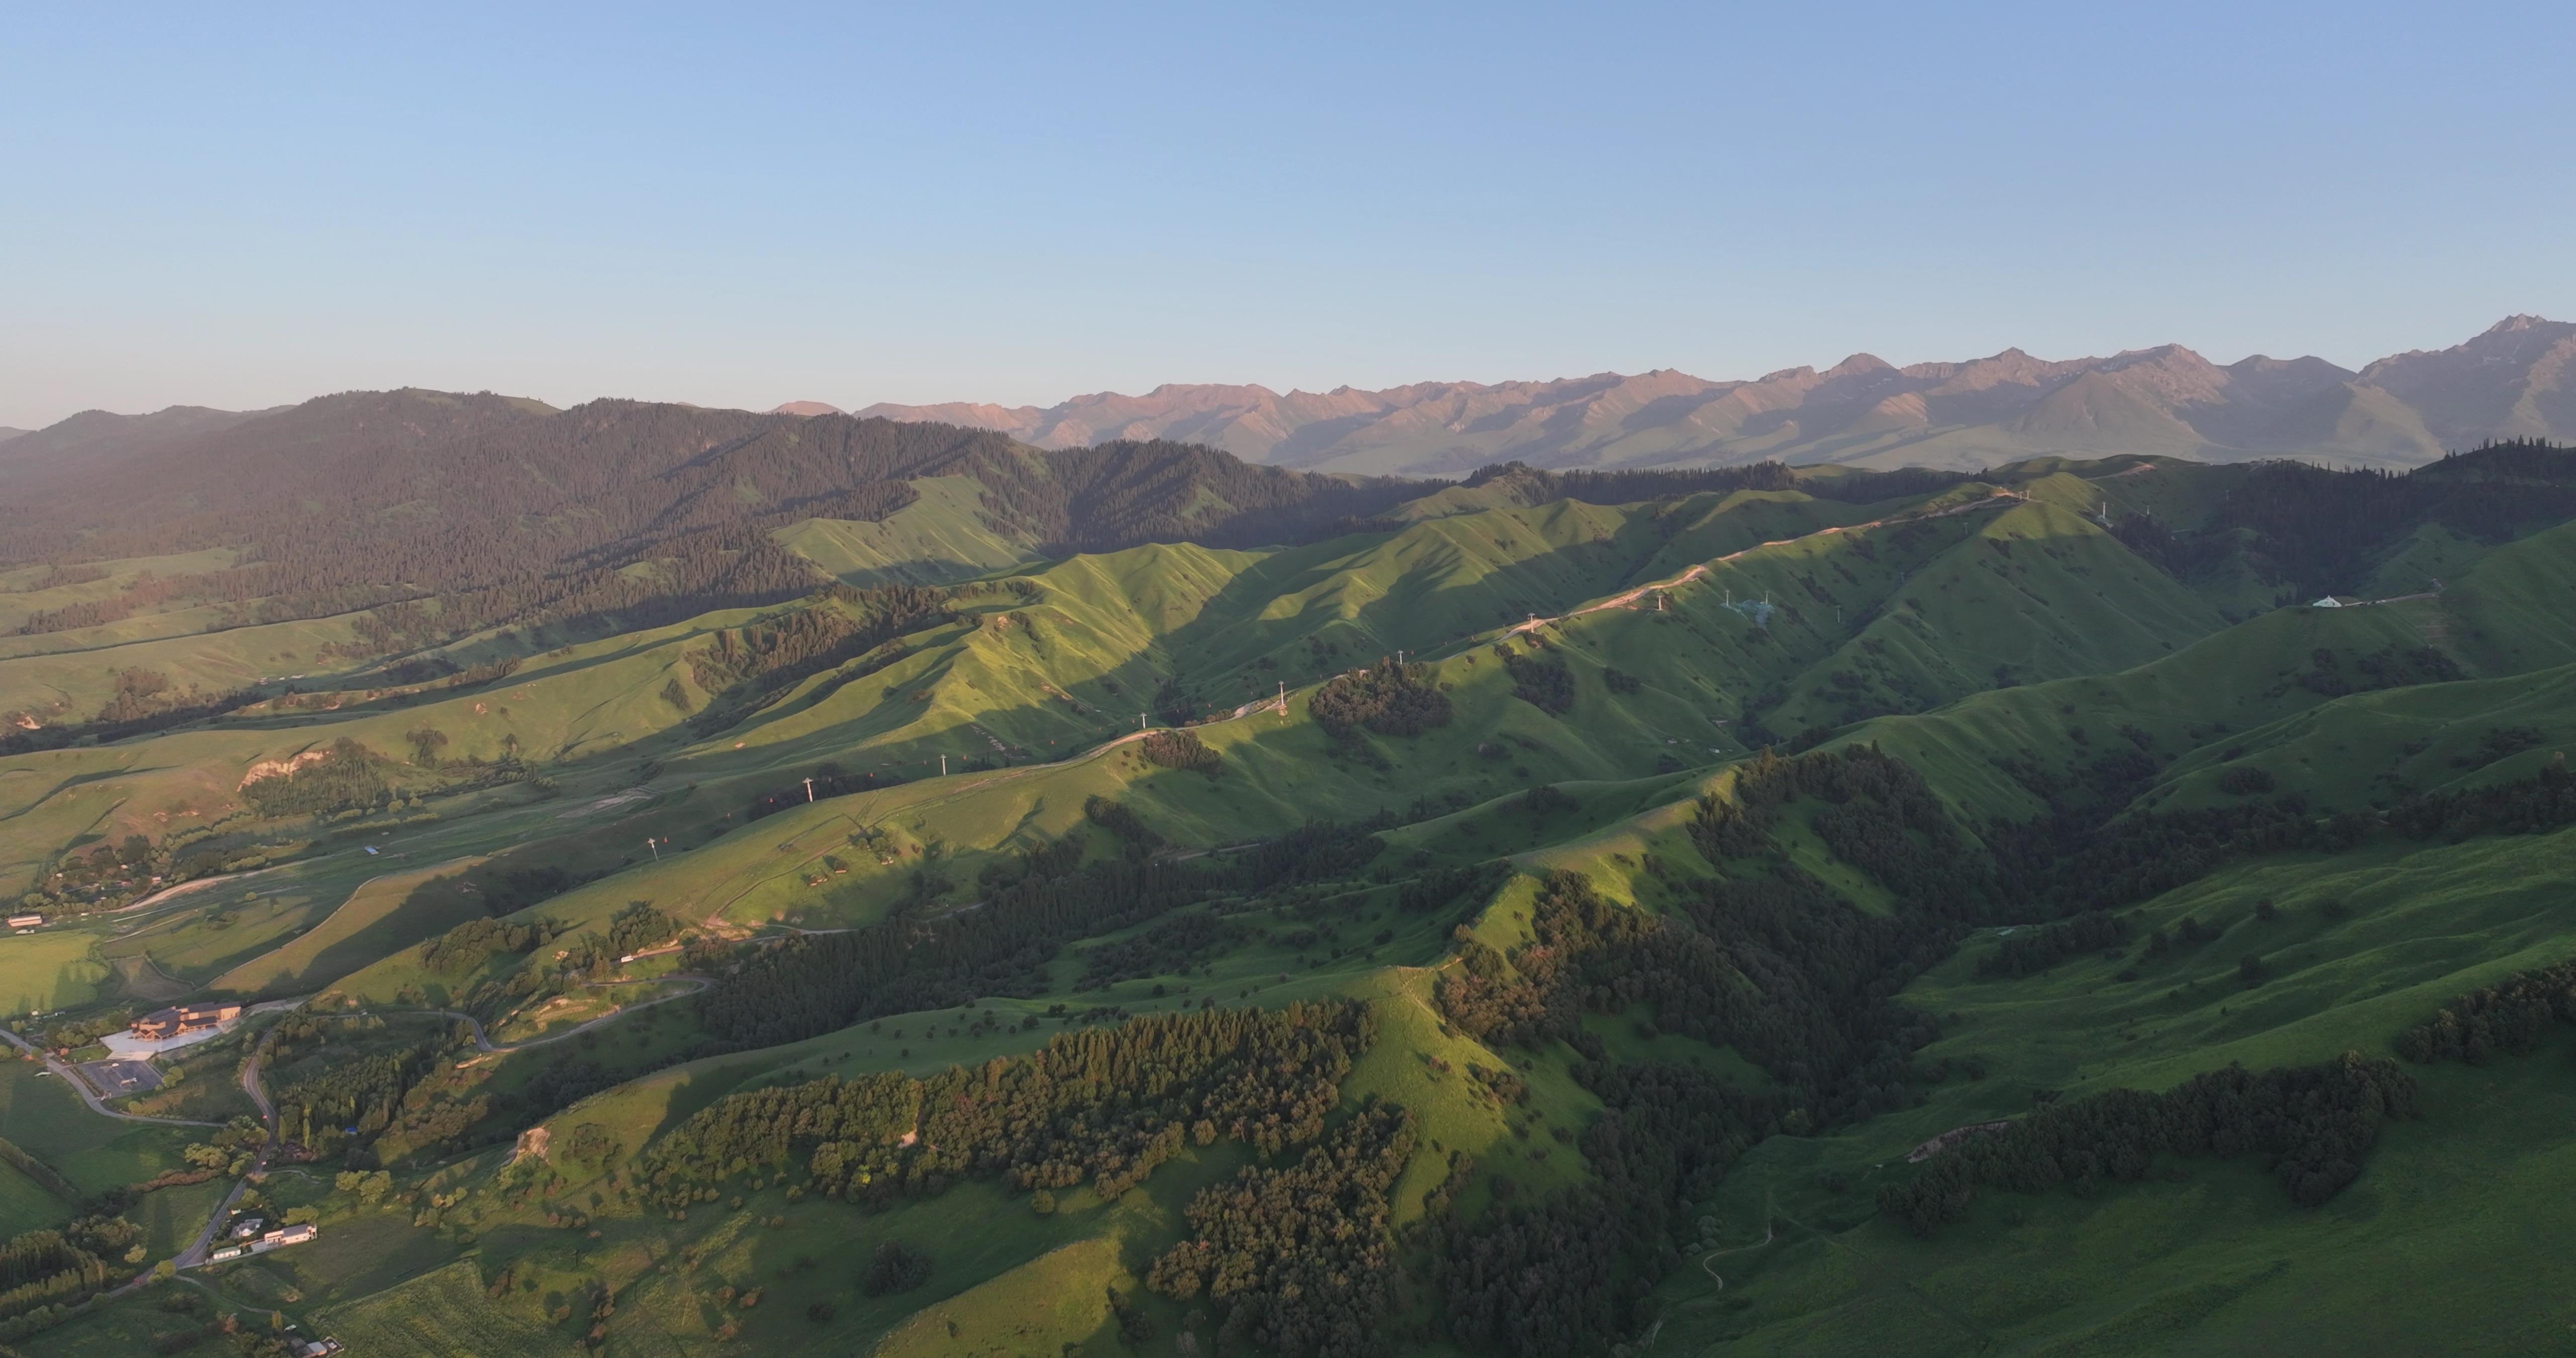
[2315, 1122]
[373, 499]
[902, 1001]
[1103, 1105]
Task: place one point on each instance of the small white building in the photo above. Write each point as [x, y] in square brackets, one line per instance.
[278, 1239]
[26, 921]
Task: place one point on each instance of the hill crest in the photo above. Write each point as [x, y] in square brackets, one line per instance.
[2515, 380]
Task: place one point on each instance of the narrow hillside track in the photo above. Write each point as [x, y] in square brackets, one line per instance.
[485, 1045]
[857, 815]
[1770, 1232]
[1624, 599]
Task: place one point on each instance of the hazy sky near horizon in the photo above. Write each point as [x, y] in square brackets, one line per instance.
[739, 205]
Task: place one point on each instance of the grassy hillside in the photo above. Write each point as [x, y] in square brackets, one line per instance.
[2070, 811]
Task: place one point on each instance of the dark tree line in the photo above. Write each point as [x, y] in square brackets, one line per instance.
[1388, 698]
[1300, 1257]
[2510, 1017]
[1176, 944]
[347, 777]
[1765, 959]
[2087, 856]
[42, 1270]
[2028, 954]
[2317, 1123]
[463, 950]
[1103, 1104]
[817, 983]
[1181, 750]
[1572, 1272]
[1632, 487]
[612, 511]
[743, 667]
[2323, 531]
[1541, 681]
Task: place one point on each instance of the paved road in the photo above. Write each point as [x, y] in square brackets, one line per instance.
[195, 1254]
[89, 1096]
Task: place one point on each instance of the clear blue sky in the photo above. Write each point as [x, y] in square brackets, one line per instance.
[736, 205]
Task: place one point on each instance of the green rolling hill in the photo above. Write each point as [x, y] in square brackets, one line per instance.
[1760, 911]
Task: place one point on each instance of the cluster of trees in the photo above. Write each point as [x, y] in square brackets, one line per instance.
[463, 950]
[1879, 815]
[637, 926]
[747, 665]
[1388, 698]
[345, 1086]
[2316, 1122]
[1102, 1104]
[1633, 487]
[1572, 1272]
[1763, 958]
[1437, 888]
[347, 777]
[1119, 819]
[1182, 750]
[2085, 855]
[2510, 1016]
[2524, 806]
[895, 1267]
[164, 711]
[145, 592]
[1541, 681]
[2028, 954]
[2391, 666]
[46, 1269]
[816, 983]
[621, 510]
[1299, 1256]
[1174, 945]
[2323, 531]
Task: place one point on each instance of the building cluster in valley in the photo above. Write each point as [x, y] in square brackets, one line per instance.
[181, 1020]
[251, 1235]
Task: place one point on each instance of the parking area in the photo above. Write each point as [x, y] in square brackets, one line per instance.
[115, 1079]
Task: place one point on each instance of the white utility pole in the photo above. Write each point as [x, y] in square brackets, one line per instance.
[655, 846]
[809, 789]
[943, 766]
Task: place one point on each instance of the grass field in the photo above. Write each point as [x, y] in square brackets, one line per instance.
[385, 914]
[440, 1314]
[25, 1205]
[96, 1153]
[2014, 627]
[43, 972]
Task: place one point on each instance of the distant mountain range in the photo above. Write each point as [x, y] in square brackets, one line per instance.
[2518, 379]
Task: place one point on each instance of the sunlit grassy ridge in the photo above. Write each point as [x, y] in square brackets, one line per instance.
[2010, 629]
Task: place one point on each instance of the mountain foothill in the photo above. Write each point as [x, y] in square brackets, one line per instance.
[2055, 857]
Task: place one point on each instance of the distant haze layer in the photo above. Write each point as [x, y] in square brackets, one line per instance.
[2515, 380]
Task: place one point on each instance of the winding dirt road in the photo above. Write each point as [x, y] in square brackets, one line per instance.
[1622, 600]
[485, 1044]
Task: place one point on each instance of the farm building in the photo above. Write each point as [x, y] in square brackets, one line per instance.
[185, 1018]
